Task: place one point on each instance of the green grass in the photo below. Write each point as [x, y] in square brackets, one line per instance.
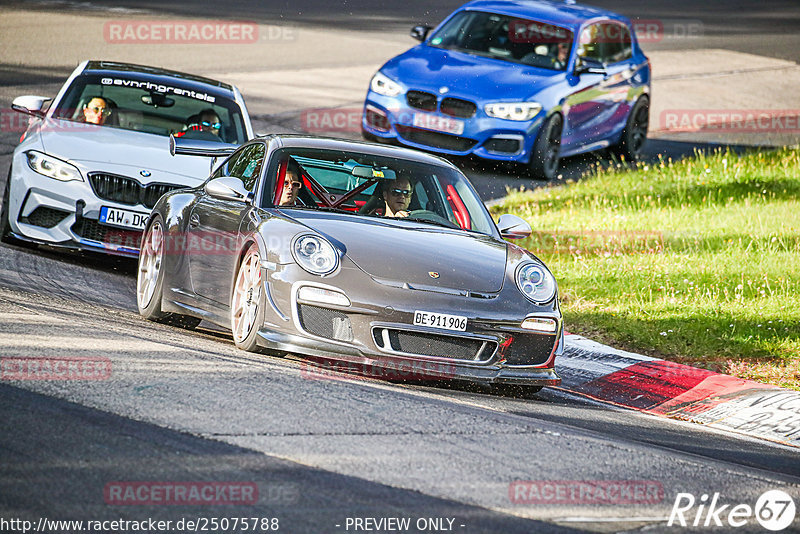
[696, 261]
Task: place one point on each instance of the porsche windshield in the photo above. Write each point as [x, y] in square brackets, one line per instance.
[375, 186]
[159, 109]
[506, 38]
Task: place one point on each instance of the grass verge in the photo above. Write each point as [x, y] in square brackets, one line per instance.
[696, 261]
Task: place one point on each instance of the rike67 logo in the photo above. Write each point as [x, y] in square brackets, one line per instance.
[774, 510]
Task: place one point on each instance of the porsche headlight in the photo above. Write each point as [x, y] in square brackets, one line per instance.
[53, 167]
[315, 254]
[536, 282]
[383, 85]
[513, 111]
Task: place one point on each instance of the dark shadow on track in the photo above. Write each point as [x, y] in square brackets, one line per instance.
[59, 459]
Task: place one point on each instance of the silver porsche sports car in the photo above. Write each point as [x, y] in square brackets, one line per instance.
[361, 253]
[94, 160]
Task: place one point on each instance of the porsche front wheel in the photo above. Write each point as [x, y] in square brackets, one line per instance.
[248, 302]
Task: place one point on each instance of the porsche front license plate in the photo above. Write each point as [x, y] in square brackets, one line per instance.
[123, 218]
[440, 320]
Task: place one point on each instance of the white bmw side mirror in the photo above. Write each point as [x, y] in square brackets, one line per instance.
[30, 105]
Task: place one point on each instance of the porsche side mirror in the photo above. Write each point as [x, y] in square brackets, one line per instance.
[30, 105]
[589, 66]
[227, 188]
[513, 227]
[420, 32]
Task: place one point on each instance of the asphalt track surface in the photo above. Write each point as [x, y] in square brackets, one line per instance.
[188, 406]
[767, 28]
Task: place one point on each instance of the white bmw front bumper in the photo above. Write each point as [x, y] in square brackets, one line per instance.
[67, 214]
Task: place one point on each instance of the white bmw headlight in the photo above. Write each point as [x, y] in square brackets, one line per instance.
[53, 167]
[513, 111]
[315, 254]
[383, 85]
[536, 282]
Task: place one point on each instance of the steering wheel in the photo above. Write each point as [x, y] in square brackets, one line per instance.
[427, 215]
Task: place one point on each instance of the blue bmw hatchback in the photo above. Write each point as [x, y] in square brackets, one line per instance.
[528, 81]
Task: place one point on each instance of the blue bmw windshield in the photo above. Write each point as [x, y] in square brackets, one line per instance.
[512, 39]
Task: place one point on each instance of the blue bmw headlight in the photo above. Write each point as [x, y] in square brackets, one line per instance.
[383, 85]
[513, 111]
[315, 254]
[536, 282]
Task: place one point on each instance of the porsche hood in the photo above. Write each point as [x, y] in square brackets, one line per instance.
[421, 255]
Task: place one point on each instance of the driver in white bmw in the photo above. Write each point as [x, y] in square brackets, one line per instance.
[96, 111]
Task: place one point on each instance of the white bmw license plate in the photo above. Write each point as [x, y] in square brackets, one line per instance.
[440, 320]
[123, 218]
[438, 123]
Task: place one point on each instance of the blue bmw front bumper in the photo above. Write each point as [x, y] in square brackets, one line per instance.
[432, 129]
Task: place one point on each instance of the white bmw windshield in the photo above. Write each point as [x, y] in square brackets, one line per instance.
[123, 101]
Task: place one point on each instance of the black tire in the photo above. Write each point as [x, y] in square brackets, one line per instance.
[634, 136]
[244, 298]
[545, 158]
[149, 303]
[5, 220]
[5, 224]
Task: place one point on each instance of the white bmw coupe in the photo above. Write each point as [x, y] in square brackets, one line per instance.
[94, 160]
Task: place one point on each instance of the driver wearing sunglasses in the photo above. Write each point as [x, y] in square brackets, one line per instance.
[96, 111]
[209, 121]
[397, 196]
[292, 183]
